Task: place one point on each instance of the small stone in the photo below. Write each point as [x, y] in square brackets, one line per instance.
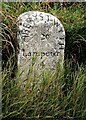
[40, 35]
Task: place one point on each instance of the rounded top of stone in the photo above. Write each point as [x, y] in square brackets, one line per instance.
[40, 16]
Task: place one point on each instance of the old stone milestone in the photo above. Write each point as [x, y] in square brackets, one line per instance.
[41, 39]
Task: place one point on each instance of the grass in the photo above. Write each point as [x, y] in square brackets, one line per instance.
[56, 94]
[52, 94]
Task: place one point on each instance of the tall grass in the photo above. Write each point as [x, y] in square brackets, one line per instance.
[43, 95]
[51, 94]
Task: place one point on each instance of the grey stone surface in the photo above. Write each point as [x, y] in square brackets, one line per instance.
[41, 36]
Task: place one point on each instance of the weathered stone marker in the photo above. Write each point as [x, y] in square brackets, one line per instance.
[41, 36]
